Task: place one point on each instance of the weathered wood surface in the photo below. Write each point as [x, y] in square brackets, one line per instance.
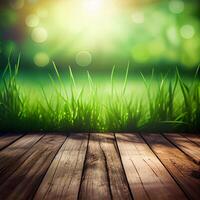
[185, 172]
[95, 182]
[103, 162]
[8, 139]
[23, 183]
[145, 174]
[99, 166]
[185, 145]
[12, 157]
[64, 175]
[194, 138]
[118, 183]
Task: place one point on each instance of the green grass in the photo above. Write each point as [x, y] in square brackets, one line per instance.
[166, 104]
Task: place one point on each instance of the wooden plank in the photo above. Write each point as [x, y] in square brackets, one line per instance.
[117, 180]
[11, 157]
[63, 178]
[23, 183]
[147, 177]
[193, 137]
[95, 183]
[185, 145]
[7, 139]
[185, 172]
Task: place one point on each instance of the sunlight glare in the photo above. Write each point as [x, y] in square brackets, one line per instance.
[93, 22]
[93, 7]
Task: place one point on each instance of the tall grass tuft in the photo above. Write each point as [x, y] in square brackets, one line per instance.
[11, 99]
[169, 105]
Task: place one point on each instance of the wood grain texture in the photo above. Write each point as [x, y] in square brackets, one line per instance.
[194, 138]
[63, 178]
[7, 139]
[185, 172]
[23, 183]
[105, 166]
[95, 181]
[189, 148]
[117, 179]
[147, 177]
[11, 157]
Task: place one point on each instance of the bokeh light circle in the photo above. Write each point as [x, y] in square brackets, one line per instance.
[32, 20]
[83, 58]
[41, 59]
[176, 6]
[39, 35]
[187, 31]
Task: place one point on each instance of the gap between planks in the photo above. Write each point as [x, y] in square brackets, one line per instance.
[191, 149]
[185, 172]
[145, 173]
[103, 159]
[192, 137]
[8, 139]
[64, 175]
[25, 180]
[103, 177]
[15, 154]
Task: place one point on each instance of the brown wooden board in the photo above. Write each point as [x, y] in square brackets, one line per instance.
[185, 145]
[95, 181]
[23, 183]
[52, 167]
[147, 177]
[194, 138]
[11, 157]
[63, 177]
[7, 139]
[117, 180]
[184, 171]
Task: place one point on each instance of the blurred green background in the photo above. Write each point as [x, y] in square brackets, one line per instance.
[94, 35]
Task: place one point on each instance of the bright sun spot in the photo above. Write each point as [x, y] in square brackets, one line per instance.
[92, 21]
[93, 7]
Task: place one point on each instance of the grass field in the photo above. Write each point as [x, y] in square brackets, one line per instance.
[64, 103]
